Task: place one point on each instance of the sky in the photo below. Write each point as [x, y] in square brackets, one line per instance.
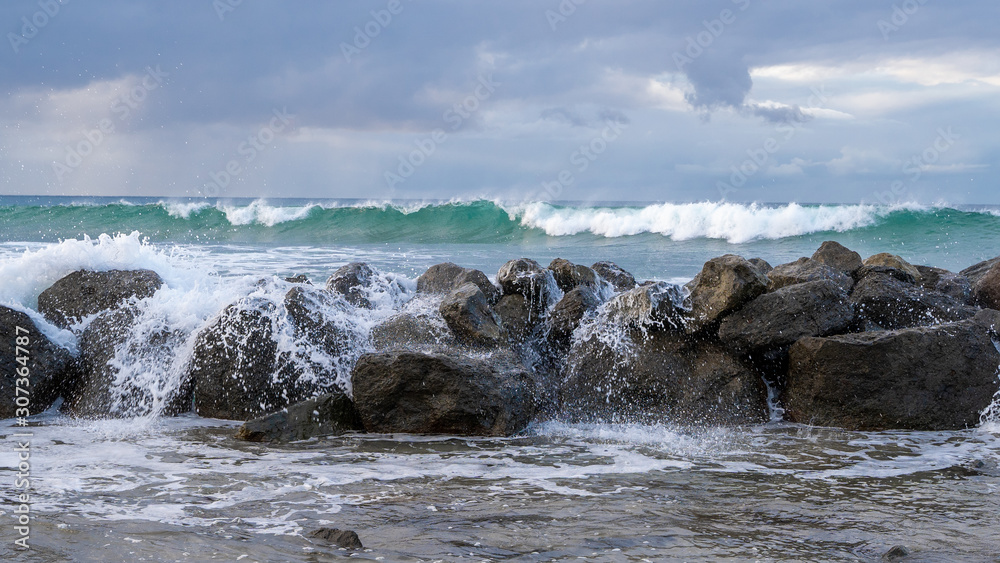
[577, 100]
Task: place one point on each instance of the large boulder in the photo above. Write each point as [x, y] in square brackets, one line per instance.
[893, 261]
[892, 304]
[779, 318]
[313, 314]
[526, 277]
[951, 284]
[977, 271]
[49, 367]
[806, 270]
[565, 316]
[446, 277]
[517, 317]
[838, 257]
[326, 415]
[468, 314]
[763, 266]
[417, 393]
[569, 275]
[724, 285]
[660, 377]
[617, 277]
[352, 281]
[413, 331]
[86, 292]
[655, 304]
[987, 288]
[925, 378]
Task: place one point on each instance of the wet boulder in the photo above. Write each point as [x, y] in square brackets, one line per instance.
[779, 318]
[838, 257]
[891, 304]
[85, 292]
[468, 314]
[517, 317]
[569, 275]
[313, 314]
[654, 304]
[895, 273]
[414, 331]
[924, 378]
[409, 392]
[565, 316]
[446, 277]
[806, 270]
[893, 261]
[347, 539]
[975, 272]
[763, 266]
[617, 277]
[987, 288]
[330, 414]
[352, 281]
[526, 277]
[951, 284]
[724, 285]
[49, 367]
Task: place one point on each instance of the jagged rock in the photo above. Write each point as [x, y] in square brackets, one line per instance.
[436, 394]
[468, 314]
[569, 275]
[838, 257]
[49, 367]
[895, 273]
[301, 278]
[806, 270]
[893, 261]
[951, 284]
[779, 318]
[86, 292]
[412, 331]
[237, 371]
[657, 304]
[977, 271]
[347, 539]
[987, 288]
[446, 277]
[661, 377]
[617, 277]
[897, 553]
[526, 277]
[925, 378]
[893, 304]
[762, 265]
[307, 309]
[566, 315]
[725, 284]
[351, 281]
[325, 415]
[517, 318]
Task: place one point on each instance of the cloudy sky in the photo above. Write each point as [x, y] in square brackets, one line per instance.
[743, 100]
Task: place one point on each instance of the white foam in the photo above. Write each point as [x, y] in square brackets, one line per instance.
[264, 214]
[183, 210]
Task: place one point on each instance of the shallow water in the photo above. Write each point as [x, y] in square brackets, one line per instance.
[184, 489]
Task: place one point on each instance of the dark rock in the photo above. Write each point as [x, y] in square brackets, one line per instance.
[341, 538]
[661, 377]
[436, 394]
[301, 278]
[526, 277]
[569, 275]
[468, 314]
[724, 285]
[895, 273]
[653, 304]
[325, 415]
[86, 292]
[893, 304]
[307, 309]
[816, 308]
[893, 261]
[49, 367]
[977, 271]
[446, 277]
[806, 270]
[517, 318]
[897, 553]
[351, 281]
[987, 288]
[762, 265]
[617, 277]
[412, 331]
[566, 315]
[925, 378]
[951, 284]
[838, 257]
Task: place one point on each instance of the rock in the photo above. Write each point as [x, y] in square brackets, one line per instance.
[987, 288]
[656, 304]
[300, 278]
[725, 284]
[569, 275]
[897, 553]
[86, 292]
[617, 277]
[925, 378]
[468, 314]
[762, 265]
[951, 284]
[49, 367]
[101, 391]
[237, 370]
[779, 318]
[417, 393]
[566, 315]
[838, 257]
[346, 539]
[443, 278]
[977, 271]
[517, 318]
[526, 277]
[325, 415]
[893, 304]
[893, 261]
[661, 377]
[901, 275]
[806, 270]
[351, 281]
[308, 310]
[412, 331]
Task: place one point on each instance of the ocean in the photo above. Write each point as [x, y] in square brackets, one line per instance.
[148, 487]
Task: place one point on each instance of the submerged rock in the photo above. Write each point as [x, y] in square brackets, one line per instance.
[468, 314]
[325, 415]
[346, 539]
[724, 285]
[892, 304]
[86, 292]
[806, 270]
[617, 277]
[49, 367]
[838, 257]
[446, 277]
[418, 393]
[925, 378]
[352, 280]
